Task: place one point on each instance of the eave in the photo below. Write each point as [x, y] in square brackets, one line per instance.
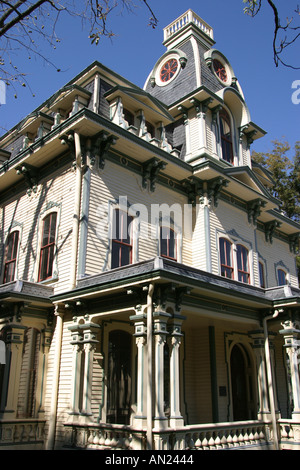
[88, 124]
[202, 94]
[160, 270]
[26, 292]
[136, 99]
[209, 170]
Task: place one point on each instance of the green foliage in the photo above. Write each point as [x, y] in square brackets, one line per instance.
[286, 174]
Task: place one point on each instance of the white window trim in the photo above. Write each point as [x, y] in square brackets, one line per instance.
[50, 208]
[234, 243]
[131, 212]
[17, 227]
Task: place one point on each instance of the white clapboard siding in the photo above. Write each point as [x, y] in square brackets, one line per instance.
[25, 215]
[107, 188]
[276, 254]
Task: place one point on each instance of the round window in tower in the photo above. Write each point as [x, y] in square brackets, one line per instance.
[220, 70]
[168, 70]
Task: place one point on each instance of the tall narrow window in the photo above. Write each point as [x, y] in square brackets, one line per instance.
[11, 252]
[47, 247]
[168, 244]
[226, 137]
[226, 258]
[282, 280]
[262, 275]
[243, 265]
[121, 253]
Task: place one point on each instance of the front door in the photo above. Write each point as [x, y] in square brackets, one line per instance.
[119, 378]
[239, 388]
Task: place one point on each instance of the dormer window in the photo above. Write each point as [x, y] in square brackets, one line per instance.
[150, 129]
[226, 137]
[128, 117]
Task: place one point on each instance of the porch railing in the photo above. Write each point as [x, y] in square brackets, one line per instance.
[22, 434]
[289, 434]
[254, 434]
[251, 434]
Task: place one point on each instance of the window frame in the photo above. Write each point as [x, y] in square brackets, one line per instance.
[223, 114]
[13, 260]
[223, 265]
[262, 274]
[175, 240]
[120, 243]
[48, 246]
[241, 271]
[279, 271]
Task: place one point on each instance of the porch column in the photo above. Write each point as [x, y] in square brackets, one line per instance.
[176, 419]
[76, 343]
[90, 331]
[140, 332]
[259, 351]
[160, 334]
[291, 335]
[11, 382]
[47, 334]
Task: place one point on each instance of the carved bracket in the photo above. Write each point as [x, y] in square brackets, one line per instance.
[270, 228]
[151, 169]
[101, 145]
[31, 177]
[254, 210]
[294, 243]
[193, 188]
[214, 188]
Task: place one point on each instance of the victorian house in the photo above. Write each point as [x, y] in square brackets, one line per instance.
[149, 291]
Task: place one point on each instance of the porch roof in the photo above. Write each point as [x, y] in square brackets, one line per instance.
[161, 270]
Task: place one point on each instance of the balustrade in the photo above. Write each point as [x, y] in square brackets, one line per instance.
[22, 433]
[185, 19]
[252, 434]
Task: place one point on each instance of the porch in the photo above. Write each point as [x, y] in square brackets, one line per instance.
[153, 363]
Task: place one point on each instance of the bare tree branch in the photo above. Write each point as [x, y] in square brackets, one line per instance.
[27, 24]
[290, 31]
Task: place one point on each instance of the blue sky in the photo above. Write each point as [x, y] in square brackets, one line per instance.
[246, 42]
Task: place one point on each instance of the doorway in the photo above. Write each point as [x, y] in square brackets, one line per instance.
[241, 384]
[119, 378]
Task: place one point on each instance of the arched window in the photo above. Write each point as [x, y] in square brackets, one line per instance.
[226, 258]
[168, 243]
[11, 251]
[262, 279]
[47, 247]
[121, 253]
[226, 137]
[281, 277]
[243, 264]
